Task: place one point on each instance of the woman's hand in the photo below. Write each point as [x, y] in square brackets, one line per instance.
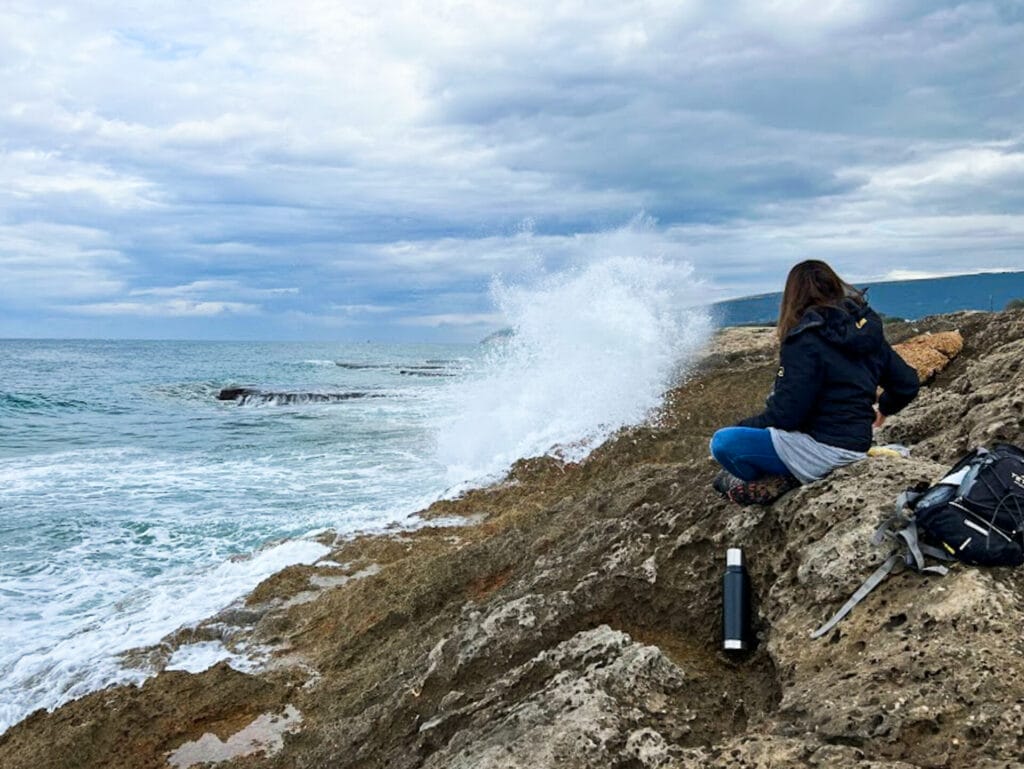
[879, 419]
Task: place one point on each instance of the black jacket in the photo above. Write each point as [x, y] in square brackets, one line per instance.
[830, 367]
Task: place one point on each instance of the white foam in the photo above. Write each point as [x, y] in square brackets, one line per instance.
[594, 349]
[67, 655]
[112, 540]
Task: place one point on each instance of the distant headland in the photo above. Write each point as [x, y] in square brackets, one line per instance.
[909, 299]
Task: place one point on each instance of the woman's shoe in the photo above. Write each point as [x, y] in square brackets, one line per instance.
[725, 481]
[763, 491]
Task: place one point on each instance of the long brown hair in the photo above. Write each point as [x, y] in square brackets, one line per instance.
[812, 283]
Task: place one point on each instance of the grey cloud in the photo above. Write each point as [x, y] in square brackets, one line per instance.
[186, 308]
[387, 158]
[47, 262]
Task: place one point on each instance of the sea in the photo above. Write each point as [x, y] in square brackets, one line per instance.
[134, 500]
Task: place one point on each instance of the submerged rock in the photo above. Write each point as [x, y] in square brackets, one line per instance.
[252, 395]
[576, 623]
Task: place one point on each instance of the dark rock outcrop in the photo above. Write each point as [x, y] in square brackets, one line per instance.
[252, 395]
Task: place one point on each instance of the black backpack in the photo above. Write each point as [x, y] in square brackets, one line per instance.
[975, 514]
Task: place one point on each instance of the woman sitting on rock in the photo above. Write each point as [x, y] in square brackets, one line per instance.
[820, 413]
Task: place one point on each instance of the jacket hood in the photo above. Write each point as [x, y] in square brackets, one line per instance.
[853, 327]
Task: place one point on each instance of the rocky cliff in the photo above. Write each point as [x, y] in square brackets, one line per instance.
[572, 620]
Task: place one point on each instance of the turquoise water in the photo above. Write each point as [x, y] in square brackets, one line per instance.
[133, 501]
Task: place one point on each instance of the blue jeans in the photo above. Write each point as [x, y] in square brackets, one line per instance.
[746, 452]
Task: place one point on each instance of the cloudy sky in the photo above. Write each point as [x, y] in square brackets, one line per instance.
[342, 170]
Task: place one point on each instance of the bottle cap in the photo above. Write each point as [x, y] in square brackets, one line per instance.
[733, 557]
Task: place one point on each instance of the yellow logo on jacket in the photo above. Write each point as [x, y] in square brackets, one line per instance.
[782, 371]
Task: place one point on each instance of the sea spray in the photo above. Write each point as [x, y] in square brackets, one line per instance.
[594, 348]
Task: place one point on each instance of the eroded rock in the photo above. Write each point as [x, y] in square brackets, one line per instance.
[930, 353]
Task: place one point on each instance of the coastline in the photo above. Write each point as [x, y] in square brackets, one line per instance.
[585, 594]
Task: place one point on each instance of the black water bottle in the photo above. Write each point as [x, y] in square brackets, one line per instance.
[735, 602]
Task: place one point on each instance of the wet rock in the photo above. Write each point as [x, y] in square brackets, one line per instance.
[265, 735]
[133, 728]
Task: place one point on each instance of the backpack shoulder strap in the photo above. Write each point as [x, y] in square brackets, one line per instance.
[862, 592]
[899, 518]
[911, 552]
[916, 551]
